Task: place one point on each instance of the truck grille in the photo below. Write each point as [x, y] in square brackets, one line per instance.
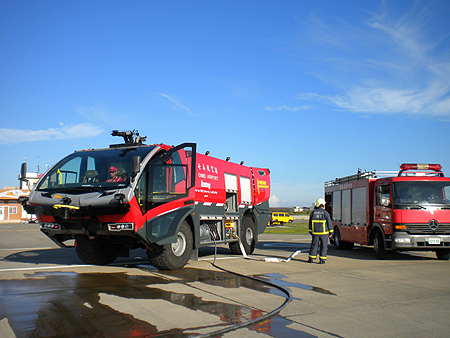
[419, 229]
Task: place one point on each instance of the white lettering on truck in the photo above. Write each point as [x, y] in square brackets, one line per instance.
[205, 185]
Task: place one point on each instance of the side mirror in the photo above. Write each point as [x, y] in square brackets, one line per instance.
[165, 158]
[385, 202]
[23, 200]
[136, 165]
[23, 172]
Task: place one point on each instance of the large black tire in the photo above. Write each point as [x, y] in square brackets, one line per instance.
[443, 254]
[174, 256]
[96, 252]
[340, 245]
[247, 236]
[378, 245]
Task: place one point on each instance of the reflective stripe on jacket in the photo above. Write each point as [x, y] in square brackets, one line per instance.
[320, 222]
[319, 227]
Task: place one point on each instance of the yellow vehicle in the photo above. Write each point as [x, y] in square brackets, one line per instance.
[280, 218]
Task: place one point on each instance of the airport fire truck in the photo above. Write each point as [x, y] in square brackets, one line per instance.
[169, 200]
[405, 210]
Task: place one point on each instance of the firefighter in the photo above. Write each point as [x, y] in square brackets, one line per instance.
[320, 228]
[114, 177]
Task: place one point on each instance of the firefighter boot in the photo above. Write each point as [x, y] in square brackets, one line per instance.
[322, 261]
[310, 260]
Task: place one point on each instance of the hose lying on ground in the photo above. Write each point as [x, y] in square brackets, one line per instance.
[267, 315]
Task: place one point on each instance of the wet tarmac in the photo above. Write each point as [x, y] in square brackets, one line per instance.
[279, 280]
[131, 299]
[46, 291]
[72, 304]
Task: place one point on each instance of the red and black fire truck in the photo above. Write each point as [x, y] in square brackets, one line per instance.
[405, 210]
[169, 200]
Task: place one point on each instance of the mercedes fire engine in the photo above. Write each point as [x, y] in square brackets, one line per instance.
[169, 200]
[405, 210]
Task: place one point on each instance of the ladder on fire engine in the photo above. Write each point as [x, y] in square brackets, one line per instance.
[360, 176]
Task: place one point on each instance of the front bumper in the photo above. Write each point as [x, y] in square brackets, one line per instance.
[405, 241]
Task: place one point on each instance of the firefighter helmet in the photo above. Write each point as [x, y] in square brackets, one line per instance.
[320, 202]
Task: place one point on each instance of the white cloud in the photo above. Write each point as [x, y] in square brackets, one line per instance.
[294, 194]
[274, 201]
[389, 64]
[175, 102]
[286, 108]
[65, 132]
[432, 100]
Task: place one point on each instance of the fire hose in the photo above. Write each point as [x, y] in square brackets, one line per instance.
[267, 315]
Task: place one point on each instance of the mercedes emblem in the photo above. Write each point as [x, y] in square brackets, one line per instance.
[433, 224]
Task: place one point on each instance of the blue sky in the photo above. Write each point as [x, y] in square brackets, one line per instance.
[312, 90]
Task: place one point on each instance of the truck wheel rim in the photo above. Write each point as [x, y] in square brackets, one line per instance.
[179, 247]
[249, 236]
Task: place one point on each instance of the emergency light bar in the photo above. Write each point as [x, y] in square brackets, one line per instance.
[418, 166]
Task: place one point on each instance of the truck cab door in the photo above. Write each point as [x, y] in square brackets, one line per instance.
[171, 175]
[383, 210]
[170, 179]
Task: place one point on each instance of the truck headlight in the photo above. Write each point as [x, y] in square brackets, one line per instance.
[403, 240]
[120, 226]
[52, 226]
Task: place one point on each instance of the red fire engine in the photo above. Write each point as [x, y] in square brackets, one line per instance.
[408, 210]
[169, 200]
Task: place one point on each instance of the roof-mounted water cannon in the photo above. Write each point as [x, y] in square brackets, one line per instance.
[130, 137]
[139, 139]
[420, 169]
[127, 135]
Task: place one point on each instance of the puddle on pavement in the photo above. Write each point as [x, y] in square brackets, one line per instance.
[278, 279]
[69, 304]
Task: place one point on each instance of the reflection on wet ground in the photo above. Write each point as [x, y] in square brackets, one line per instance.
[69, 304]
[277, 279]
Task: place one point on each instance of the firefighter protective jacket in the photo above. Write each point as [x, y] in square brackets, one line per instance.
[320, 222]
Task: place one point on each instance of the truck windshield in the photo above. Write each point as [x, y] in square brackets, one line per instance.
[420, 194]
[96, 169]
